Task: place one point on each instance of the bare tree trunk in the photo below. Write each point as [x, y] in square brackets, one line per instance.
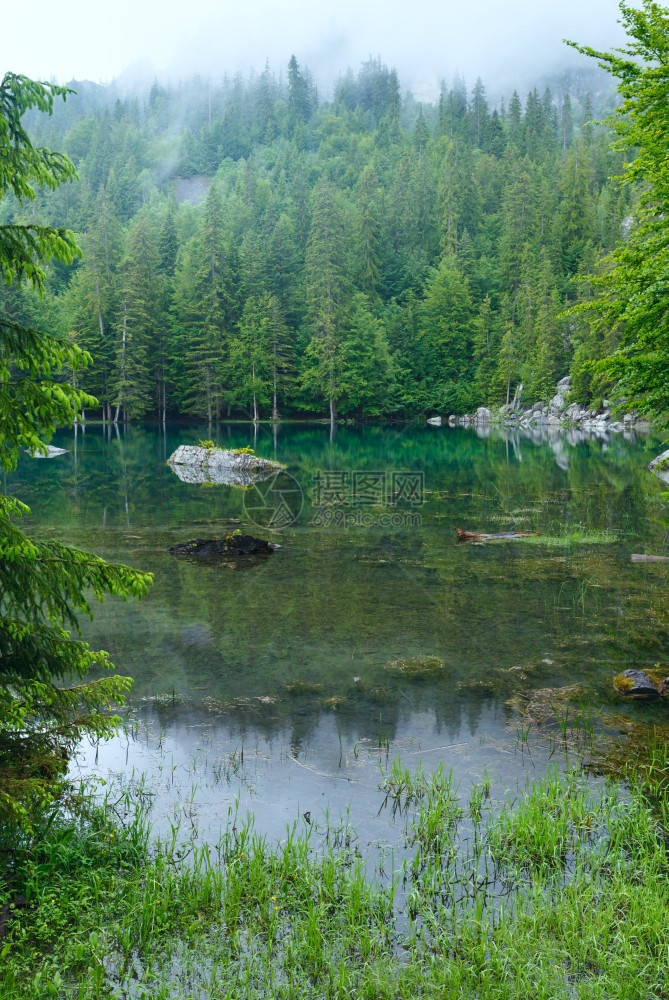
[275, 409]
[123, 338]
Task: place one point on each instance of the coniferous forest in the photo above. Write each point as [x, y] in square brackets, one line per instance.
[253, 251]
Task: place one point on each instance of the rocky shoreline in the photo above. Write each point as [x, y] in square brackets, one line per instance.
[557, 414]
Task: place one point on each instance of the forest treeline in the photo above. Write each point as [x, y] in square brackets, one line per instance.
[361, 256]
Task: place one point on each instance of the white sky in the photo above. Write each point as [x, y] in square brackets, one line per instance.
[503, 41]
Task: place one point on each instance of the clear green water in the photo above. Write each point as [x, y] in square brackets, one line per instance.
[286, 660]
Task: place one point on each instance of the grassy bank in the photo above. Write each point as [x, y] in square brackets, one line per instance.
[563, 893]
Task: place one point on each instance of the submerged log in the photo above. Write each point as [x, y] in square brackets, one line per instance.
[637, 558]
[476, 536]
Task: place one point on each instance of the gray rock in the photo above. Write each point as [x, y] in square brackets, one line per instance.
[216, 465]
[660, 466]
[564, 385]
[636, 684]
[483, 415]
[435, 421]
[51, 452]
[557, 404]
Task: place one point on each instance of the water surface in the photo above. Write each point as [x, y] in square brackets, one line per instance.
[269, 683]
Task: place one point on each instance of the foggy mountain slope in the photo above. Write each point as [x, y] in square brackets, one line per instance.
[250, 248]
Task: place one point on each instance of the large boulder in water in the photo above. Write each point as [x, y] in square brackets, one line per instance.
[660, 466]
[216, 465]
[637, 684]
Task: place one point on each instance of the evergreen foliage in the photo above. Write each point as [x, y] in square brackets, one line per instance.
[634, 279]
[45, 703]
[454, 221]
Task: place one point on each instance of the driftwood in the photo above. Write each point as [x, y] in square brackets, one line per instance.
[475, 536]
[635, 557]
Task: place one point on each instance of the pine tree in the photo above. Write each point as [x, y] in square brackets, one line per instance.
[367, 235]
[137, 325]
[366, 367]
[301, 97]
[566, 123]
[92, 301]
[251, 357]
[576, 214]
[205, 314]
[632, 289]
[327, 288]
[446, 328]
[478, 113]
[45, 585]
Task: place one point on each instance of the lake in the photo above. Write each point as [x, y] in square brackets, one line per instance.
[287, 686]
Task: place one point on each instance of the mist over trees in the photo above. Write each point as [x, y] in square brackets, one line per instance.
[365, 256]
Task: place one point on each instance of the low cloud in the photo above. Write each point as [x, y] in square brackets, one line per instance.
[507, 44]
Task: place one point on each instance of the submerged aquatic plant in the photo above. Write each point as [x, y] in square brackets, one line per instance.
[417, 667]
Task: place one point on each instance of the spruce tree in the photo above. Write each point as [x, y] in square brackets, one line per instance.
[46, 705]
[327, 288]
[632, 296]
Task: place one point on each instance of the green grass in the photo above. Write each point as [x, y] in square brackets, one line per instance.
[577, 534]
[563, 893]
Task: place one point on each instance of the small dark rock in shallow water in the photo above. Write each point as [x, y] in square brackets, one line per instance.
[637, 684]
[215, 549]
